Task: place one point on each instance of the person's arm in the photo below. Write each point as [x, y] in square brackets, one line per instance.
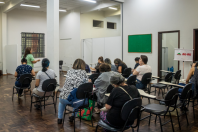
[120, 69]
[108, 107]
[32, 72]
[190, 74]
[35, 61]
[135, 72]
[16, 74]
[37, 82]
[32, 59]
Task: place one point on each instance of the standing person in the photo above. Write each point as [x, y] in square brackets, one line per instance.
[29, 57]
[113, 67]
[74, 78]
[41, 76]
[121, 65]
[22, 69]
[141, 70]
[100, 61]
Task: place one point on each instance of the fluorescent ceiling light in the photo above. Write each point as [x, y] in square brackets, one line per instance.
[2, 2]
[30, 6]
[62, 10]
[113, 8]
[90, 1]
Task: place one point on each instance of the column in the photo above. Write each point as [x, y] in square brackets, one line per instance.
[4, 41]
[52, 43]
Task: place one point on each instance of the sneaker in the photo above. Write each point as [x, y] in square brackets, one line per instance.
[60, 121]
[71, 118]
[37, 106]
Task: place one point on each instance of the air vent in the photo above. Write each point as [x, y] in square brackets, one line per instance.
[97, 23]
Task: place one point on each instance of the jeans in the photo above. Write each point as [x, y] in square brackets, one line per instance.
[63, 103]
[139, 85]
[181, 89]
[19, 91]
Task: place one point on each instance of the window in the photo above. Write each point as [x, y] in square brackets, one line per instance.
[34, 40]
[97, 23]
[111, 25]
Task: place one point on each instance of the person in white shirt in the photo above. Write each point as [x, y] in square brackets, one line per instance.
[141, 70]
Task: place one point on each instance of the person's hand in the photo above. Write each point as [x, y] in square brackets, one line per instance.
[38, 60]
[90, 81]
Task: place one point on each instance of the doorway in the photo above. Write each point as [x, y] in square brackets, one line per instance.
[167, 42]
[195, 45]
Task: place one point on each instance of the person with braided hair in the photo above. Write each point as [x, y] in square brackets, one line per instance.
[41, 76]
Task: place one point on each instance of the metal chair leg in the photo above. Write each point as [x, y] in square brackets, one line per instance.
[44, 102]
[96, 128]
[54, 104]
[160, 123]
[171, 121]
[31, 104]
[155, 119]
[40, 106]
[74, 122]
[64, 116]
[178, 119]
[193, 108]
[149, 119]
[80, 115]
[186, 118]
[12, 94]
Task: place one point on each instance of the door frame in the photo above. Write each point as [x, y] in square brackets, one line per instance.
[160, 48]
[194, 43]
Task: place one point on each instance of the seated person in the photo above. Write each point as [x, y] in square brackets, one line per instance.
[113, 67]
[117, 99]
[87, 69]
[141, 70]
[191, 76]
[41, 76]
[22, 69]
[100, 61]
[74, 78]
[102, 82]
[137, 63]
[121, 65]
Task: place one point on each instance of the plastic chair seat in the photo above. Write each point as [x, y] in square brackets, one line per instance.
[37, 96]
[108, 127]
[155, 108]
[157, 85]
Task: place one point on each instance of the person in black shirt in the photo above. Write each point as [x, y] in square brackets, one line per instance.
[117, 99]
[100, 61]
[121, 65]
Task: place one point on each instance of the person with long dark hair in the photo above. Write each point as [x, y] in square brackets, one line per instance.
[113, 67]
[29, 57]
[22, 69]
[120, 64]
[41, 76]
[100, 61]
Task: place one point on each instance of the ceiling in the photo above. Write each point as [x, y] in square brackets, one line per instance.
[64, 4]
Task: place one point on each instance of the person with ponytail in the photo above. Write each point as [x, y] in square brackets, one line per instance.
[120, 94]
[22, 69]
[29, 57]
[41, 76]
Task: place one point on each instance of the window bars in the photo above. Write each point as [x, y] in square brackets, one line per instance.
[34, 40]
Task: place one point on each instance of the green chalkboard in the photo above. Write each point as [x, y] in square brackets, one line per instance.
[140, 43]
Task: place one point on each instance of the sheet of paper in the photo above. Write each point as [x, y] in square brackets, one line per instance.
[142, 93]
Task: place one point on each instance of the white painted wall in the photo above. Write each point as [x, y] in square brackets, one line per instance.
[152, 16]
[1, 67]
[24, 21]
[70, 28]
[88, 31]
[170, 40]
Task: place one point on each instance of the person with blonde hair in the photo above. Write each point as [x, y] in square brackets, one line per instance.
[74, 78]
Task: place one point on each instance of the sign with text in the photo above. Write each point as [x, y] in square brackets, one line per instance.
[183, 55]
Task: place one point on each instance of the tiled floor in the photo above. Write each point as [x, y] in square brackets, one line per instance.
[17, 117]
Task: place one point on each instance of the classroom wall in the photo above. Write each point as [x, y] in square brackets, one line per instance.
[88, 31]
[24, 21]
[70, 28]
[152, 16]
[0, 39]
